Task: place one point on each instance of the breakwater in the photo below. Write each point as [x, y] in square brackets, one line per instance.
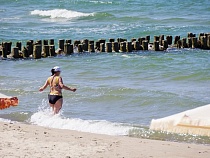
[46, 48]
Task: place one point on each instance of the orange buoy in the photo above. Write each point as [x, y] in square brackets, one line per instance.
[6, 101]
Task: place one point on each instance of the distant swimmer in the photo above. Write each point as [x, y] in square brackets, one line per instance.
[56, 85]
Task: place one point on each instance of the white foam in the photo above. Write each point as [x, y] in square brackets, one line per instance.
[5, 120]
[60, 13]
[101, 2]
[126, 56]
[45, 118]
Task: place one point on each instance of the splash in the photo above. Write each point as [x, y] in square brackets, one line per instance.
[44, 117]
[60, 13]
[5, 120]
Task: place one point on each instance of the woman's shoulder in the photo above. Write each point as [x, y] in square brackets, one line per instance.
[49, 78]
[58, 77]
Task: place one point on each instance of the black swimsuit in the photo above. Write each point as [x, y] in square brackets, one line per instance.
[54, 98]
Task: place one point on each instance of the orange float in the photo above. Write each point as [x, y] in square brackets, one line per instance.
[7, 101]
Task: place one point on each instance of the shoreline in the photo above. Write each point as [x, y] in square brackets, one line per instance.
[26, 140]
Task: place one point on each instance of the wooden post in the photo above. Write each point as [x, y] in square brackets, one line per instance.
[111, 40]
[68, 41]
[184, 43]
[194, 42]
[203, 42]
[177, 38]
[102, 41]
[190, 42]
[179, 44]
[147, 38]
[133, 39]
[68, 49]
[206, 34]
[169, 39]
[208, 41]
[91, 42]
[102, 47]
[52, 50]
[52, 42]
[84, 47]
[145, 45]
[165, 44]
[85, 44]
[46, 49]
[38, 42]
[5, 49]
[9, 48]
[76, 43]
[71, 49]
[156, 45]
[25, 52]
[161, 39]
[115, 47]
[123, 46]
[141, 40]
[132, 45]
[97, 45]
[29, 46]
[137, 45]
[119, 40]
[190, 34]
[108, 47]
[45, 42]
[61, 44]
[91, 48]
[37, 51]
[19, 45]
[156, 38]
[200, 35]
[15, 52]
[129, 46]
[80, 48]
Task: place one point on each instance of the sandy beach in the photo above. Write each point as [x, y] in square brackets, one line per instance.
[21, 140]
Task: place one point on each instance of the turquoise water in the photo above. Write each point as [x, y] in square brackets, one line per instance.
[118, 94]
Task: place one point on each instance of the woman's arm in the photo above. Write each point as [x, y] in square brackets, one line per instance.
[65, 87]
[44, 86]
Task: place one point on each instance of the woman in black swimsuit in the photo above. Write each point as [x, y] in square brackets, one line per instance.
[56, 85]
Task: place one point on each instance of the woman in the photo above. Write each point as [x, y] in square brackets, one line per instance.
[56, 85]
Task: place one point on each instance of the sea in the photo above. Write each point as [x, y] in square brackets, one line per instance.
[117, 93]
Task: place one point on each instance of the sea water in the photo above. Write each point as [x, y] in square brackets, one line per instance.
[117, 93]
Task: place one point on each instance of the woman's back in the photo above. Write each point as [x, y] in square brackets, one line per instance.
[55, 88]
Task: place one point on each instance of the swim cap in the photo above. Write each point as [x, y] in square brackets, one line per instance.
[57, 69]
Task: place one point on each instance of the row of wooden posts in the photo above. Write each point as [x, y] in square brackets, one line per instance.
[46, 48]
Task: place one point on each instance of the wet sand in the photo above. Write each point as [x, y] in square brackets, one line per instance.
[21, 140]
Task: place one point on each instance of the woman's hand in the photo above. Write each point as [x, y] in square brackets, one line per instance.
[41, 89]
[73, 89]
[45, 86]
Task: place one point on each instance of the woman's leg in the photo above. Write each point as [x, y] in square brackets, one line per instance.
[52, 106]
[51, 97]
[58, 105]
